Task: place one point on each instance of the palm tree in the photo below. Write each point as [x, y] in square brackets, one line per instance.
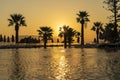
[63, 33]
[68, 34]
[108, 33]
[12, 39]
[45, 33]
[8, 39]
[17, 20]
[4, 39]
[82, 19]
[97, 26]
[78, 36]
[1, 38]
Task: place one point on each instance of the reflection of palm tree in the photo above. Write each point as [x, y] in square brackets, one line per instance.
[46, 33]
[97, 27]
[17, 67]
[82, 18]
[17, 20]
[83, 64]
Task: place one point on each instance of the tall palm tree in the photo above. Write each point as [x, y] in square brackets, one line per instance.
[97, 26]
[17, 20]
[82, 19]
[45, 33]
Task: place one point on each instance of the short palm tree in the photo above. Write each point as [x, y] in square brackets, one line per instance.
[45, 33]
[17, 20]
[82, 19]
[68, 34]
[78, 36]
[97, 26]
[108, 33]
[63, 33]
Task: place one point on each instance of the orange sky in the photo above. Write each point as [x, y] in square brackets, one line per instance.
[53, 13]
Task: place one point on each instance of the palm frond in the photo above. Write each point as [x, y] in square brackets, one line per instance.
[82, 15]
[11, 23]
[45, 31]
[93, 28]
[17, 19]
[78, 20]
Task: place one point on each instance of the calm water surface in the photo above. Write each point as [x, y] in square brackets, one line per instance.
[59, 64]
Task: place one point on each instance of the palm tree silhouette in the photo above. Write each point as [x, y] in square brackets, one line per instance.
[68, 34]
[108, 33]
[4, 39]
[12, 39]
[63, 33]
[82, 19]
[78, 36]
[45, 33]
[17, 20]
[97, 26]
[65, 28]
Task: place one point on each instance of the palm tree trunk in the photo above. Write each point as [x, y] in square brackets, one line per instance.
[97, 33]
[78, 39]
[115, 23]
[69, 42]
[16, 31]
[16, 36]
[45, 41]
[65, 41]
[45, 46]
[82, 34]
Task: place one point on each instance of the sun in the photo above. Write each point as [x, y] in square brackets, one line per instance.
[57, 29]
[59, 26]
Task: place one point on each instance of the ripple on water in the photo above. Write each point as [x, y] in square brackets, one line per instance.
[59, 64]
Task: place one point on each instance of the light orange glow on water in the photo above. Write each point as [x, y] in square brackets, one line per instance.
[62, 68]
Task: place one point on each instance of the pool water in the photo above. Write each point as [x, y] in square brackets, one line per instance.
[59, 64]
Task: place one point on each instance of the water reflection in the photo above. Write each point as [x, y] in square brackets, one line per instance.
[83, 65]
[62, 68]
[113, 66]
[59, 64]
[17, 69]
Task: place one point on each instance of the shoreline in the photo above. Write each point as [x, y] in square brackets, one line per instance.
[100, 46]
[26, 46]
[40, 46]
